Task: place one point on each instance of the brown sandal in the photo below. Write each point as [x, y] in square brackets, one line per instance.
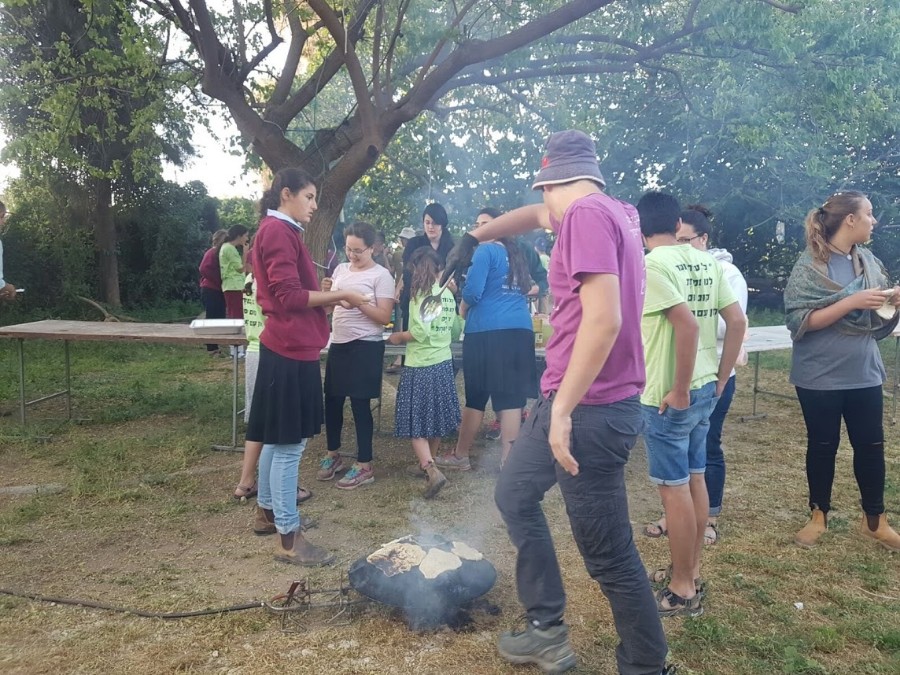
[655, 530]
[243, 493]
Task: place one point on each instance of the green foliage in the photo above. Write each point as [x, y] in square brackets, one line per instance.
[83, 93]
[47, 247]
[86, 101]
[164, 233]
[760, 116]
[236, 211]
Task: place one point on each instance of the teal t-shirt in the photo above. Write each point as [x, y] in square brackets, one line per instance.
[254, 319]
[677, 274]
[431, 341]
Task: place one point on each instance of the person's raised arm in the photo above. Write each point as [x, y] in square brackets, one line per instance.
[513, 222]
[601, 320]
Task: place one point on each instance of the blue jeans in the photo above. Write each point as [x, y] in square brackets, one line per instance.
[278, 470]
[597, 505]
[715, 458]
[676, 440]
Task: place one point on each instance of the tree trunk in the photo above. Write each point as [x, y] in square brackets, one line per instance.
[105, 242]
[318, 235]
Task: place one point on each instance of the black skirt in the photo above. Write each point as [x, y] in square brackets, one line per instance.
[354, 369]
[501, 361]
[287, 400]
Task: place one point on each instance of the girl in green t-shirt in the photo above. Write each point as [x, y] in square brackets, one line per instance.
[427, 403]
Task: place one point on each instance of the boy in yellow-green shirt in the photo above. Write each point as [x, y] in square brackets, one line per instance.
[685, 293]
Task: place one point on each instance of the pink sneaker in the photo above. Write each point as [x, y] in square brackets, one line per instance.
[329, 466]
[355, 477]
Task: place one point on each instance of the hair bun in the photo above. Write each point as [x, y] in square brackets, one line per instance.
[699, 208]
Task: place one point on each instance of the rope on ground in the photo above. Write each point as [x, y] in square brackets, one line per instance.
[256, 604]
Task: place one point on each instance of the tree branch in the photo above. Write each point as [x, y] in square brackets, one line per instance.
[299, 37]
[439, 47]
[275, 41]
[471, 52]
[792, 9]
[284, 113]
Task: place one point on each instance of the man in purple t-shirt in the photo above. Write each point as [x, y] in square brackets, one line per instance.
[582, 429]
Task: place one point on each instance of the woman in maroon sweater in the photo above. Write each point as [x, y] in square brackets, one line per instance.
[211, 284]
[287, 406]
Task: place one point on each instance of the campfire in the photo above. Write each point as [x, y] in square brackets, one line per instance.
[429, 578]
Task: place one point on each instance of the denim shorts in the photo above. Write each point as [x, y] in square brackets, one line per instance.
[676, 440]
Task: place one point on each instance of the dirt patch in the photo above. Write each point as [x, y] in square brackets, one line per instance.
[162, 533]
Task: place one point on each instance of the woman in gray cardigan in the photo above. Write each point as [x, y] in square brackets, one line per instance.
[839, 302]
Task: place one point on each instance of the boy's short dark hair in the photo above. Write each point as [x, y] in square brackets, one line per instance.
[659, 213]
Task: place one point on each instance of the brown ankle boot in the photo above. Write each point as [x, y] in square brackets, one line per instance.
[884, 535]
[815, 528]
[294, 549]
[264, 523]
[436, 480]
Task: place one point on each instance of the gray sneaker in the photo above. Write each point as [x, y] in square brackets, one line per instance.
[548, 648]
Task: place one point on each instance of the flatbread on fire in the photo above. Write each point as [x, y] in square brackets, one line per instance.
[465, 551]
[396, 557]
[437, 562]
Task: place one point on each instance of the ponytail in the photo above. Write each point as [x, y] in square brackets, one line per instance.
[292, 178]
[823, 222]
[816, 240]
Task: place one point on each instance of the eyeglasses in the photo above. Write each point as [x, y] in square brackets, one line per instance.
[356, 251]
[688, 240]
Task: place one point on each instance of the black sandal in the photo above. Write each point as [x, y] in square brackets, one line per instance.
[662, 575]
[677, 605]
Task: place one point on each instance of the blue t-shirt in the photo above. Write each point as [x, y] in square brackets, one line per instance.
[493, 305]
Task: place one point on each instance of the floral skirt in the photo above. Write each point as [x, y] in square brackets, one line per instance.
[427, 403]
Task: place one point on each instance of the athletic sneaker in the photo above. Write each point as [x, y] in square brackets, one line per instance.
[453, 462]
[548, 648]
[355, 477]
[493, 432]
[329, 466]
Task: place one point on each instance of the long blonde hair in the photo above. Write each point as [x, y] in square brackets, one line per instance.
[822, 223]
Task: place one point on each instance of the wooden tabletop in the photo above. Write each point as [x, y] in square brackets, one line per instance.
[174, 333]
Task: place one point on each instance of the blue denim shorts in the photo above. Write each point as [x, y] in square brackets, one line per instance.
[676, 440]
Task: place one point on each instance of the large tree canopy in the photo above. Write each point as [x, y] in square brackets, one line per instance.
[84, 96]
[380, 64]
[761, 117]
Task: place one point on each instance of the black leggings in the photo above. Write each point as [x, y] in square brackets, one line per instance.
[214, 304]
[862, 410]
[362, 417]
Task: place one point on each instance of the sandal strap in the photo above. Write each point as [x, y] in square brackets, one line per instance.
[672, 598]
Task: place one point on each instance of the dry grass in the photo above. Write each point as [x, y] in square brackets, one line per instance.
[148, 522]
